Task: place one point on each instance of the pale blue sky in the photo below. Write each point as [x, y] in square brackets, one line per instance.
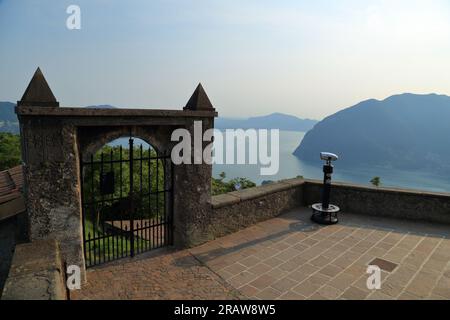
[307, 58]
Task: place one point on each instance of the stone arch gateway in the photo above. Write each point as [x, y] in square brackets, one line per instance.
[56, 140]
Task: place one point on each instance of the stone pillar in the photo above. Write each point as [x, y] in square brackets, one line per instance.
[192, 184]
[51, 174]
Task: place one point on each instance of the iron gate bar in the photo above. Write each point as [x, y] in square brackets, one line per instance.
[150, 222]
[157, 204]
[97, 218]
[130, 194]
[140, 197]
[152, 245]
[92, 209]
[111, 168]
[121, 196]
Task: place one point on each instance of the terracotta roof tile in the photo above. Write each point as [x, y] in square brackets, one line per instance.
[11, 199]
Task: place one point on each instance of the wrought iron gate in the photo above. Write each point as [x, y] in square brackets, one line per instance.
[127, 202]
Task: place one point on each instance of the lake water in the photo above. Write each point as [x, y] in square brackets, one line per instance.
[291, 167]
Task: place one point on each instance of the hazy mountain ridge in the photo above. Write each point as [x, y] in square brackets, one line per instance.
[405, 131]
[272, 121]
[9, 122]
[8, 118]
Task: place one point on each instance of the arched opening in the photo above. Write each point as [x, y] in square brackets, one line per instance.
[126, 198]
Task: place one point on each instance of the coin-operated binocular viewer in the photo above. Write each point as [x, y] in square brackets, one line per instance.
[326, 213]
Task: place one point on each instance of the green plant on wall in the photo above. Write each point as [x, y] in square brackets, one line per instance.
[376, 181]
[220, 186]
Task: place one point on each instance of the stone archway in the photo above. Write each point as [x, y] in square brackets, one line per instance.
[92, 139]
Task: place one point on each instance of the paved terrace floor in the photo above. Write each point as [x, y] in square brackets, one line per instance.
[290, 258]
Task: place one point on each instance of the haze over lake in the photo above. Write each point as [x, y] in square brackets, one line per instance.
[291, 166]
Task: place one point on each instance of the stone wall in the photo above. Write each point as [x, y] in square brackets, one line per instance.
[52, 186]
[36, 273]
[192, 195]
[385, 202]
[237, 210]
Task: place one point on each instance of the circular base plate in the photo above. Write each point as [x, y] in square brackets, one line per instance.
[331, 208]
[325, 216]
[321, 218]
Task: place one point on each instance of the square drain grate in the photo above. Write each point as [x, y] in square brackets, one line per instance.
[384, 264]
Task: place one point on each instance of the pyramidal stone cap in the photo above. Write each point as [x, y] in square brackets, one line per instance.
[199, 100]
[38, 93]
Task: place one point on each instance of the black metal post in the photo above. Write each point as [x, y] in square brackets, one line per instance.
[327, 172]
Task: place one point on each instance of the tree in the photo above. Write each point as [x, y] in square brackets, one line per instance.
[9, 150]
[219, 186]
[376, 181]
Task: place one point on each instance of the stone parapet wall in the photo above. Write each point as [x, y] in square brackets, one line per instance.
[36, 273]
[237, 210]
[384, 202]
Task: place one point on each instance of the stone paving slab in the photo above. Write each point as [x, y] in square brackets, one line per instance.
[291, 258]
[164, 275]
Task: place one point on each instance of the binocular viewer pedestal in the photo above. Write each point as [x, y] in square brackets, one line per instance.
[326, 213]
[326, 216]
